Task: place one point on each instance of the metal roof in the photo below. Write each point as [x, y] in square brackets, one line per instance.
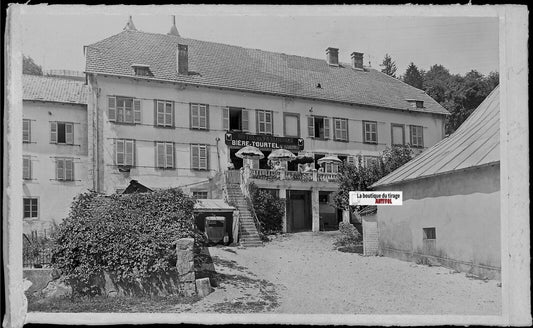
[207, 205]
[224, 66]
[475, 143]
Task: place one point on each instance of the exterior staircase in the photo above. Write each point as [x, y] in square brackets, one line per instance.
[249, 237]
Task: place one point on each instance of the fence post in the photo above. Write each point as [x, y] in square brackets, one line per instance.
[185, 266]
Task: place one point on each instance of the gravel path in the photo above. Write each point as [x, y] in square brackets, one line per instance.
[303, 273]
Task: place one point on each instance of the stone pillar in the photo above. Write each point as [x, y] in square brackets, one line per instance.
[315, 209]
[283, 196]
[281, 174]
[315, 175]
[345, 216]
[235, 227]
[185, 266]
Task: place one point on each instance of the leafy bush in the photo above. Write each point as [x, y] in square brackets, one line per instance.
[350, 236]
[132, 237]
[268, 208]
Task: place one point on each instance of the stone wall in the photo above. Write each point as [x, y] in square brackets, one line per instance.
[370, 235]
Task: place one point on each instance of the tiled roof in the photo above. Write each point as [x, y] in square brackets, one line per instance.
[476, 142]
[54, 89]
[226, 66]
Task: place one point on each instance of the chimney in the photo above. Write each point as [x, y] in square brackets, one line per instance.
[174, 29]
[357, 60]
[332, 55]
[129, 25]
[182, 59]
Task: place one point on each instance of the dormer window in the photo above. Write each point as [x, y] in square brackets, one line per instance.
[416, 103]
[142, 70]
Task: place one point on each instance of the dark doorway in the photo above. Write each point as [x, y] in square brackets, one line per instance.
[299, 211]
[237, 162]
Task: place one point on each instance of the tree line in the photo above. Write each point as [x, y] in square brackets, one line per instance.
[459, 94]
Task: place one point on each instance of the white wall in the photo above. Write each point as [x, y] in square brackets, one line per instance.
[54, 197]
[146, 134]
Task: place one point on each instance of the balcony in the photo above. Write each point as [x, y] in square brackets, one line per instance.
[282, 175]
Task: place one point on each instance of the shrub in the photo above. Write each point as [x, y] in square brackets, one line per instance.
[132, 237]
[350, 237]
[268, 208]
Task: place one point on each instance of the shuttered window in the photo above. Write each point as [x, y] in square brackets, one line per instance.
[124, 152]
[234, 118]
[26, 130]
[199, 116]
[26, 168]
[164, 113]
[164, 154]
[318, 127]
[31, 209]
[62, 133]
[341, 129]
[264, 121]
[397, 134]
[352, 160]
[199, 157]
[64, 169]
[417, 135]
[124, 110]
[370, 132]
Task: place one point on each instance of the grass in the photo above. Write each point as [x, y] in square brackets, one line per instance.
[109, 304]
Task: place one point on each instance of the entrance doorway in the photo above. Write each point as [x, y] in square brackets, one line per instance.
[299, 211]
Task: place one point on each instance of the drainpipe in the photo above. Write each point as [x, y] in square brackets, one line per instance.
[217, 139]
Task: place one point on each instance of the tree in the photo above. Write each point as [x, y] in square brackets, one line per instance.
[356, 177]
[493, 80]
[30, 67]
[389, 66]
[413, 76]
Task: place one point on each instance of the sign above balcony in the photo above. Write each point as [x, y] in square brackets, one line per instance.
[263, 142]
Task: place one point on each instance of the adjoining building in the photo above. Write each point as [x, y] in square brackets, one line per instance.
[54, 136]
[451, 199]
[170, 111]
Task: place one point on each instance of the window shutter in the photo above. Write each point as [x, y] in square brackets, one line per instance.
[69, 133]
[53, 132]
[270, 122]
[112, 108]
[202, 157]
[26, 168]
[351, 160]
[169, 113]
[311, 126]
[136, 110]
[128, 150]
[259, 121]
[195, 157]
[160, 154]
[60, 169]
[26, 130]
[326, 128]
[225, 118]
[69, 169]
[245, 120]
[201, 116]
[170, 154]
[160, 113]
[207, 117]
[195, 122]
[345, 125]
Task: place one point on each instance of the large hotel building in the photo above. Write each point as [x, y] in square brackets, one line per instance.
[169, 111]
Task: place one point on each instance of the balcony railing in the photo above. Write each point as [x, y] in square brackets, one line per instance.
[273, 175]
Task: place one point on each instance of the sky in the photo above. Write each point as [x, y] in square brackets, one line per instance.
[54, 36]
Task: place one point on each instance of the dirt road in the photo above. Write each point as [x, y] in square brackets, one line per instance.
[303, 273]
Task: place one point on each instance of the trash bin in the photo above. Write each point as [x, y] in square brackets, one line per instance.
[215, 228]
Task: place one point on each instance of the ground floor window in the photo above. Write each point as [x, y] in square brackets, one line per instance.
[30, 207]
[429, 233]
[199, 194]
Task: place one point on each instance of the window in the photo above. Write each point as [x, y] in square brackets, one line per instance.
[199, 194]
[235, 119]
[30, 207]
[397, 134]
[264, 121]
[291, 125]
[26, 130]
[417, 135]
[429, 233]
[370, 132]
[124, 110]
[416, 103]
[164, 154]
[352, 160]
[199, 116]
[371, 161]
[26, 168]
[340, 131]
[124, 152]
[318, 127]
[164, 113]
[64, 169]
[331, 168]
[199, 157]
[62, 133]
[142, 70]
